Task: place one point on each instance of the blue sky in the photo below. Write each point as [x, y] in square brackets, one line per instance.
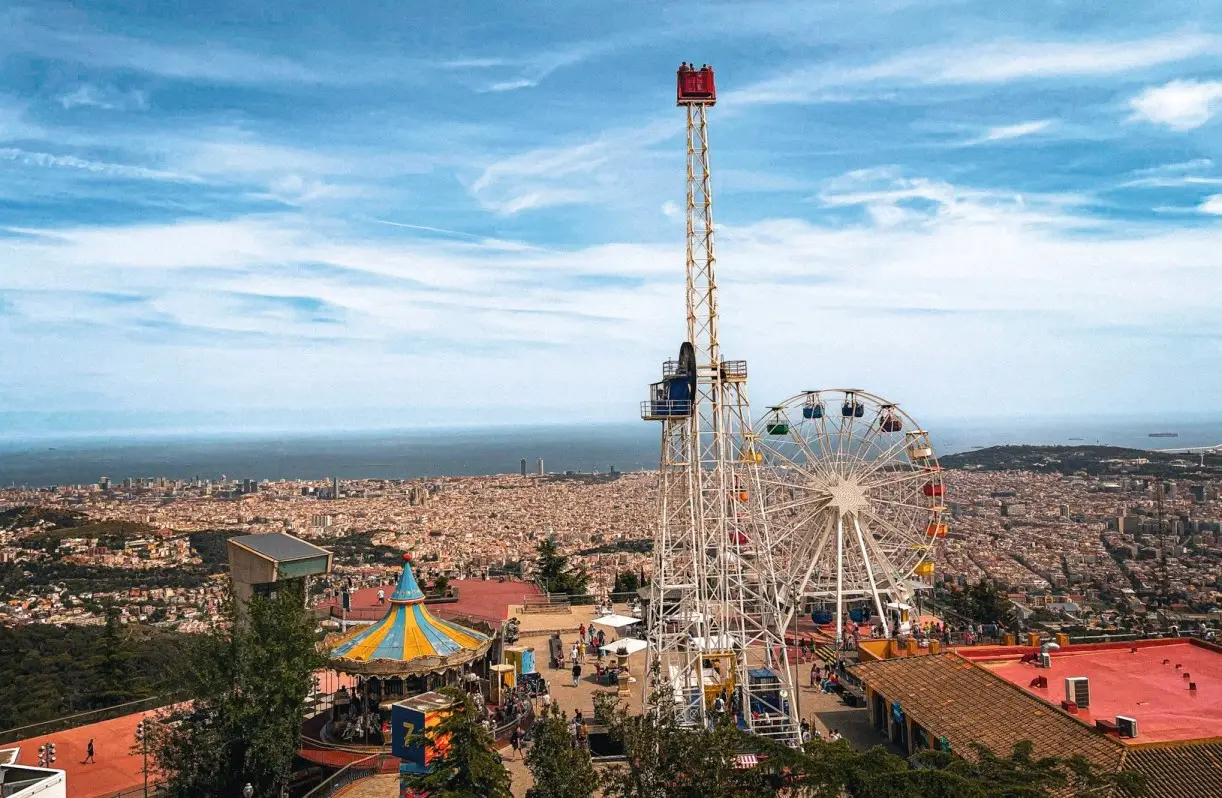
[396, 214]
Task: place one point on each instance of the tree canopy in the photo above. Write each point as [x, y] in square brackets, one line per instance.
[980, 602]
[667, 758]
[555, 573]
[560, 769]
[54, 671]
[250, 679]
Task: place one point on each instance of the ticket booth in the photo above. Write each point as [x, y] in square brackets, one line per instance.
[522, 658]
[502, 679]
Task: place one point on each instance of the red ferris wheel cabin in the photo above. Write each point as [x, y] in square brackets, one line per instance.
[696, 85]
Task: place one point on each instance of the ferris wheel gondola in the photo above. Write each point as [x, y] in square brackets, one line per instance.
[854, 499]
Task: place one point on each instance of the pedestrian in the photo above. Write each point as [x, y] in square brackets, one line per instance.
[814, 675]
[581, 631]
[581, 650]
[89, 752]
[381, 596]
[576, 673]
[515, 740]
[573, 653]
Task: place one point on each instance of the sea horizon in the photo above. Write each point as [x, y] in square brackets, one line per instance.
[473, 450]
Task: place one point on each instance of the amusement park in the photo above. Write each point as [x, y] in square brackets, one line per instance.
[794, 548]
[783, 540]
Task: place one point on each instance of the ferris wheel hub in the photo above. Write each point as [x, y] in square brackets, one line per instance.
[847, 497]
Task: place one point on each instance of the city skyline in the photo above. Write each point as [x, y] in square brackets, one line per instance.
[269, 209]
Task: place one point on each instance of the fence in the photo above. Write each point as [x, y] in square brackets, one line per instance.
[362, 768]
[84, 718]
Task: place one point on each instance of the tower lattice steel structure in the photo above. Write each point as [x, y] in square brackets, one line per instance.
[716, 607]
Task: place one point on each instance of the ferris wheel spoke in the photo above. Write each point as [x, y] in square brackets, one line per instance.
[905, 476]
[789, 507]
[889, 567]
[903, 504]
[804, 445]
[882, 460]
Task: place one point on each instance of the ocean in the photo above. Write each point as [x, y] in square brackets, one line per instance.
[474, 451]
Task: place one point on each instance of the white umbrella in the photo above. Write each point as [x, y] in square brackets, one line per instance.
[632, 644]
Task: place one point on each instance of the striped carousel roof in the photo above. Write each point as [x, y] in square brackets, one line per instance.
[409, 633]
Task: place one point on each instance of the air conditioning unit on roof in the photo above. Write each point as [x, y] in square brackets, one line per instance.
[1127, 726]
[1077, 690]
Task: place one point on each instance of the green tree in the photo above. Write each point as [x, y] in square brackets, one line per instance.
[555, 574]
[981, 602]
[250, 679]
[559, 769]
[626, 582]
[115, 666]
[441, 584]
[467, 763]
[668, 758]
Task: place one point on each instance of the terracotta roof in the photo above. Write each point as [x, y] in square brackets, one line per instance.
[950, 696]
[1178, 770]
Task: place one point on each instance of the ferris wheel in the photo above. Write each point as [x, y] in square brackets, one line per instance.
[853, 495]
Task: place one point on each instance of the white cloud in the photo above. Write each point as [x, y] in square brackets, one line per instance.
[568, 175]
[992, 62]
[1006, 132]
[989, 280]
[1180, 104]
[44, 159]
[107, 98]
[671, 210]
[1212, 205]
[532, 69]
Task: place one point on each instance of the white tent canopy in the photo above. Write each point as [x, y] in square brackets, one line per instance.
[631, 643]
[615, 621]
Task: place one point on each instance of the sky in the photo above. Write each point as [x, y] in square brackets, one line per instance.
[371, 214]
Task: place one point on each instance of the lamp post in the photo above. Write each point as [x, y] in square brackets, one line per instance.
[142, 737]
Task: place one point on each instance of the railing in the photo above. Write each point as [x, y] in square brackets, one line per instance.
[138, 792]
[665, 408]
[84, 718]
[355, 771]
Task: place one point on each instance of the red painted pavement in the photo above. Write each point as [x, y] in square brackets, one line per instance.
[116, 768]
[476, 597]
[1135, 684]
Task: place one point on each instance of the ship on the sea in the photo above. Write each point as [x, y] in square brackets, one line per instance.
[1164, 434]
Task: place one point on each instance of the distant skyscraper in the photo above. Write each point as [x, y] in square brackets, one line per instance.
[334, 487]
[104, 482]
[539, 466]
[523, 467]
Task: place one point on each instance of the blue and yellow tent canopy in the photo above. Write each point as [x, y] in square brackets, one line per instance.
[409, 640]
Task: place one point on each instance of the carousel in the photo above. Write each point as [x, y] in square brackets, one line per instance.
[409, 652]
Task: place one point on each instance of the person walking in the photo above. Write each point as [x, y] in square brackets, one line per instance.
[515, 741]
[581, 650]
[89, 753]
[576, 673]
[381, 596]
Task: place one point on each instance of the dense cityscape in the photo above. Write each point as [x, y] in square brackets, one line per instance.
[1073, 547]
